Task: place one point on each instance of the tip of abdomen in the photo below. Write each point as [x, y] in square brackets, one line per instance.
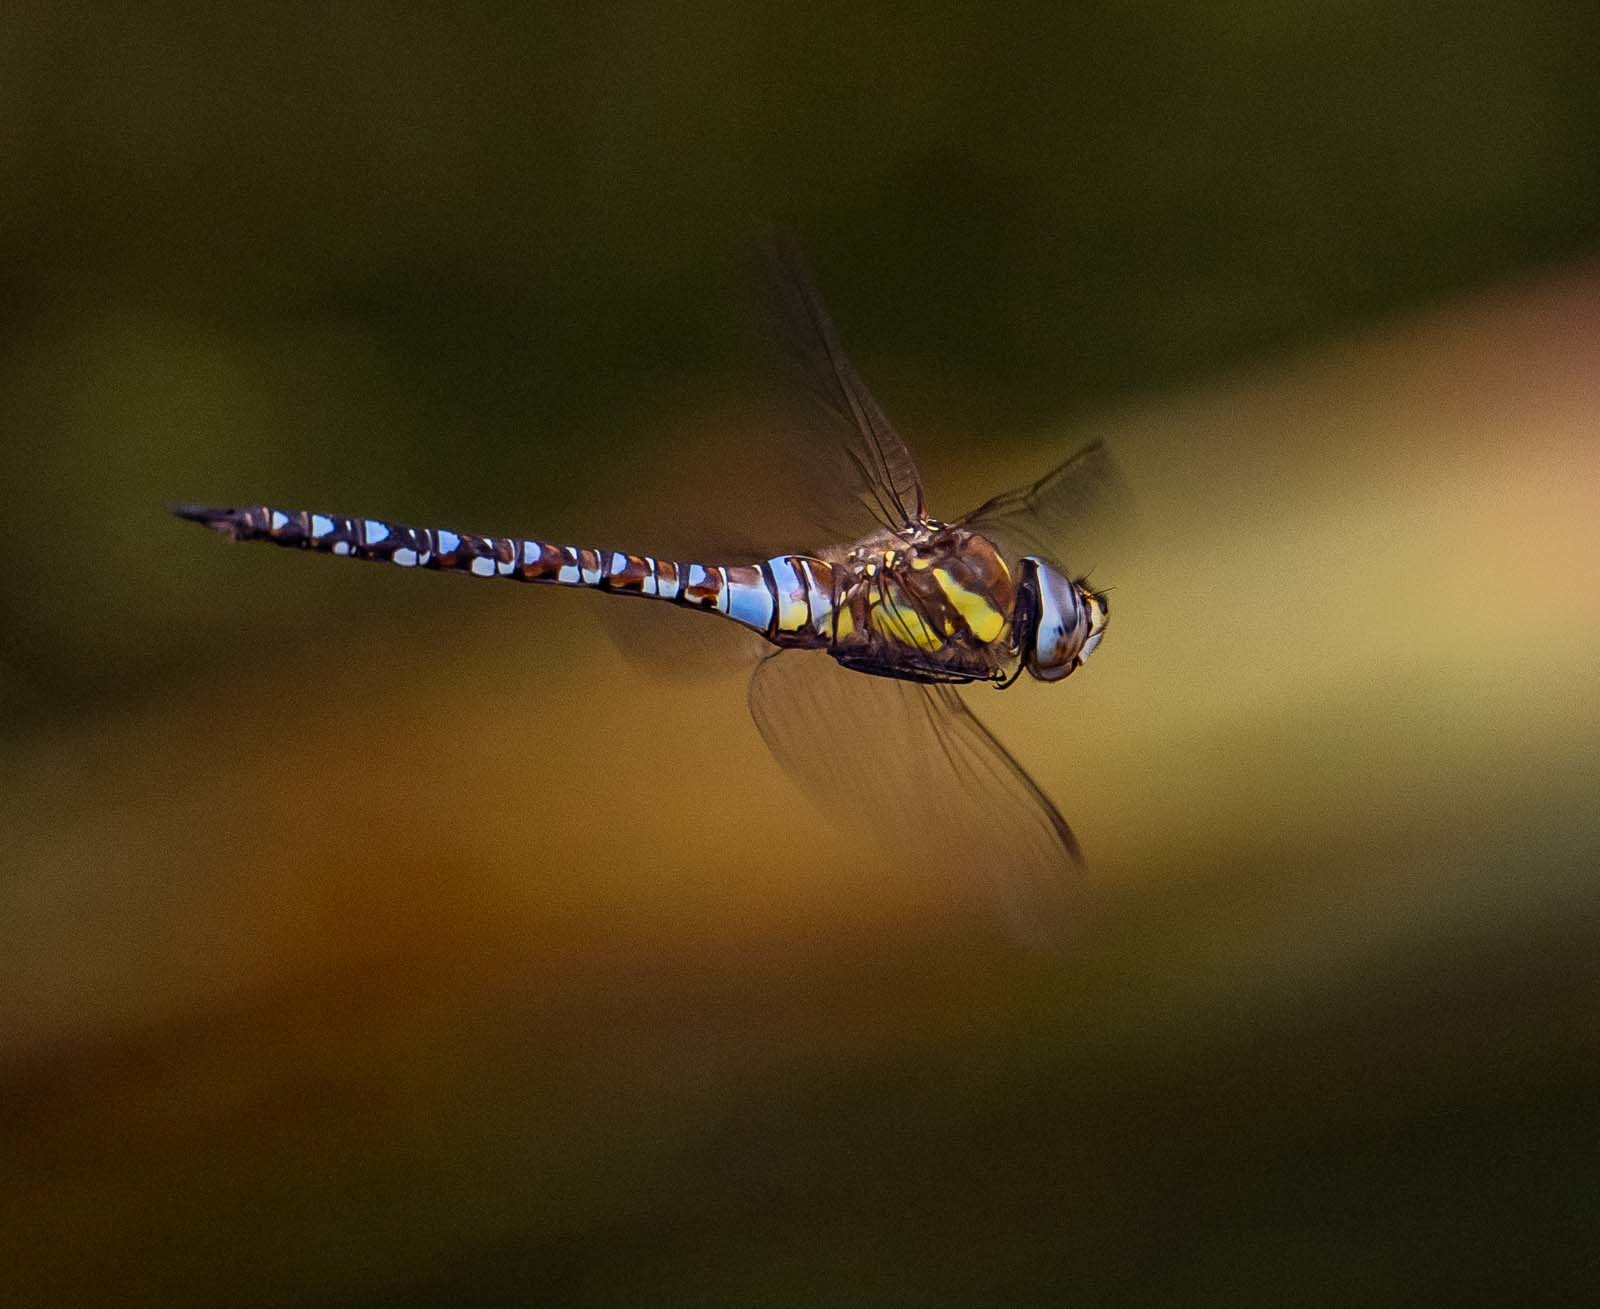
[218, 520]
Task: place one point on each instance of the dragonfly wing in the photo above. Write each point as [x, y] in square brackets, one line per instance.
[665, 643]
[853, 442]
[669, 644]
[1083, 499]
[910, 765]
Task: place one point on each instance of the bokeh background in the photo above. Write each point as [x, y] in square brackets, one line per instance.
[376, 938]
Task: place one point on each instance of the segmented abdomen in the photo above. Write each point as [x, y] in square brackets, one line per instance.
[789, 599]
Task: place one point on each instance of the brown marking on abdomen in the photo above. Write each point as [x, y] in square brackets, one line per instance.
[541, 562]
[704, 591]
[630, 578]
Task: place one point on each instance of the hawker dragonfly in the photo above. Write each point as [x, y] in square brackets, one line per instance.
[874, 632]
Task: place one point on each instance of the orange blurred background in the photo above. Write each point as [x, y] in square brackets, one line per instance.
[369, 937]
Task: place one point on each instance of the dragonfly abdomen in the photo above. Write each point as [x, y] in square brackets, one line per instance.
[787, 599]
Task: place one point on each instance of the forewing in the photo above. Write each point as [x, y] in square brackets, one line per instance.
[1077, 507]
[910, 766]
[851, 442]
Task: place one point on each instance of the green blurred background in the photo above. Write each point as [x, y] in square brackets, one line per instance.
[377, 938]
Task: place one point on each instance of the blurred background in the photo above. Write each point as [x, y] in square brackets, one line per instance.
[375, 938]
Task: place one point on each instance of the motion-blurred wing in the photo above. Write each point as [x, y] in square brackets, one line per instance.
[669, 644]
[860, 451]
[1080, 501]
[911, 765]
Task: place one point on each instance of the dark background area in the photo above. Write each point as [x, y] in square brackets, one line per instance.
[368, 938]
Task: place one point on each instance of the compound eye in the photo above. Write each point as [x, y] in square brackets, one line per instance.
[1062, 624]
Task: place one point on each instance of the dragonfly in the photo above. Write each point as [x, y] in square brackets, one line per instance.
[874, 633]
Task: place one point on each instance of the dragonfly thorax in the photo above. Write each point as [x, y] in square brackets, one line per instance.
[935, 603]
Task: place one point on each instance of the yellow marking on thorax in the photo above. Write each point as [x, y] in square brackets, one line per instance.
[982, 618]
[903, 624]
[844, 623]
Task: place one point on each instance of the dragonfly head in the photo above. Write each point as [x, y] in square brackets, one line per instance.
[1059, 621]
